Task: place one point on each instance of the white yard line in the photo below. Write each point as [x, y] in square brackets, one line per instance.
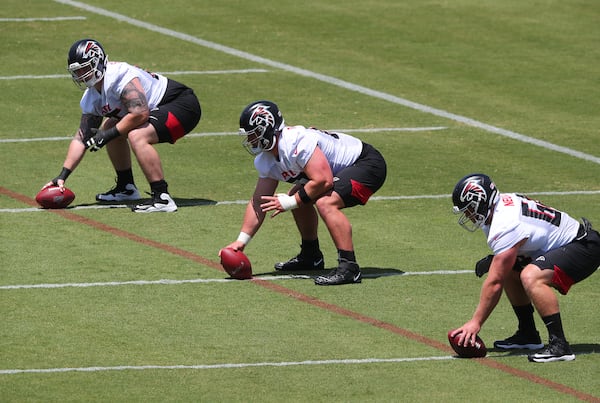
[243, 202]
[168, 73]
[44, 19]
[218, 280]
[211, 134]
[360, 361]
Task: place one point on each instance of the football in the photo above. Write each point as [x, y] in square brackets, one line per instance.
[469, 351]
[236, 263]
[52, 198]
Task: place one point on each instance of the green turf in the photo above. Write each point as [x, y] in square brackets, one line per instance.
[525, 67]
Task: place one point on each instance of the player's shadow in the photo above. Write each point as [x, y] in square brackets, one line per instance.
[586, 348]
[377, 272]
[367, 272]
[181, 203]
[578, 349]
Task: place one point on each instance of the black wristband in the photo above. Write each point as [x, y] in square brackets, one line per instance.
[64, 174]
[303, 196]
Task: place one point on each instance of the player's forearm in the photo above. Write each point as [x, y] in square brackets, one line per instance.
[75, 154]
[491, 292]
[316, 188]
[253, 218]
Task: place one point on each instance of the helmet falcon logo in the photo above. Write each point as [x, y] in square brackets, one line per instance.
[92, 50]
[261, 116]
[473, 192]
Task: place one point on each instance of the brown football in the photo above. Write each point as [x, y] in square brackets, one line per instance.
[469, 351]
[52, 198]
[236, 263]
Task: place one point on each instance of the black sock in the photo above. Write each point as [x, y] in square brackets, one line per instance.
[347, 255]
[347, 261]
[159, 187]
[525, 316]
[554, 325]
[124, 178]
[310, 248]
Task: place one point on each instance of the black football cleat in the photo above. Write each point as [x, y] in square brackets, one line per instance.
[302, 263]
[345, 273]
[557, 350]
[128, 193]
[520, 341]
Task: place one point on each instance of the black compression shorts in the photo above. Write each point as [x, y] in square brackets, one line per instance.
[356, 183]
[574, 261]
[177, 114]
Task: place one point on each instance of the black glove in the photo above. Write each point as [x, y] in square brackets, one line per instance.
[521, 262]
[100, 138]
[483, 265]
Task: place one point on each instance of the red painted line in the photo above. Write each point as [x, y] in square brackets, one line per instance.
[17, 196]
[136, 238]
[116, 231]
[310, 300]
[354, 315]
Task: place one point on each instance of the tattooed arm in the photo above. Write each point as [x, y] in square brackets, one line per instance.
[87, 123]
[134, 100]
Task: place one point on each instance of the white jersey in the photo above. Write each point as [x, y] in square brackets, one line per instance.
[297, 144]
[116, 76]
[517, 217]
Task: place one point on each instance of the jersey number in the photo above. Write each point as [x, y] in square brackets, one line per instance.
[541, 212]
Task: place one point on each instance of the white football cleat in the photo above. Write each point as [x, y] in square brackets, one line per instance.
[161, 204]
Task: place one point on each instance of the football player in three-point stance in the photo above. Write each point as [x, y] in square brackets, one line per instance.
[536, 249]
[330, 171]
[124, 106]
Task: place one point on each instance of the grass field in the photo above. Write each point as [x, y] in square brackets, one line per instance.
[100, 304]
